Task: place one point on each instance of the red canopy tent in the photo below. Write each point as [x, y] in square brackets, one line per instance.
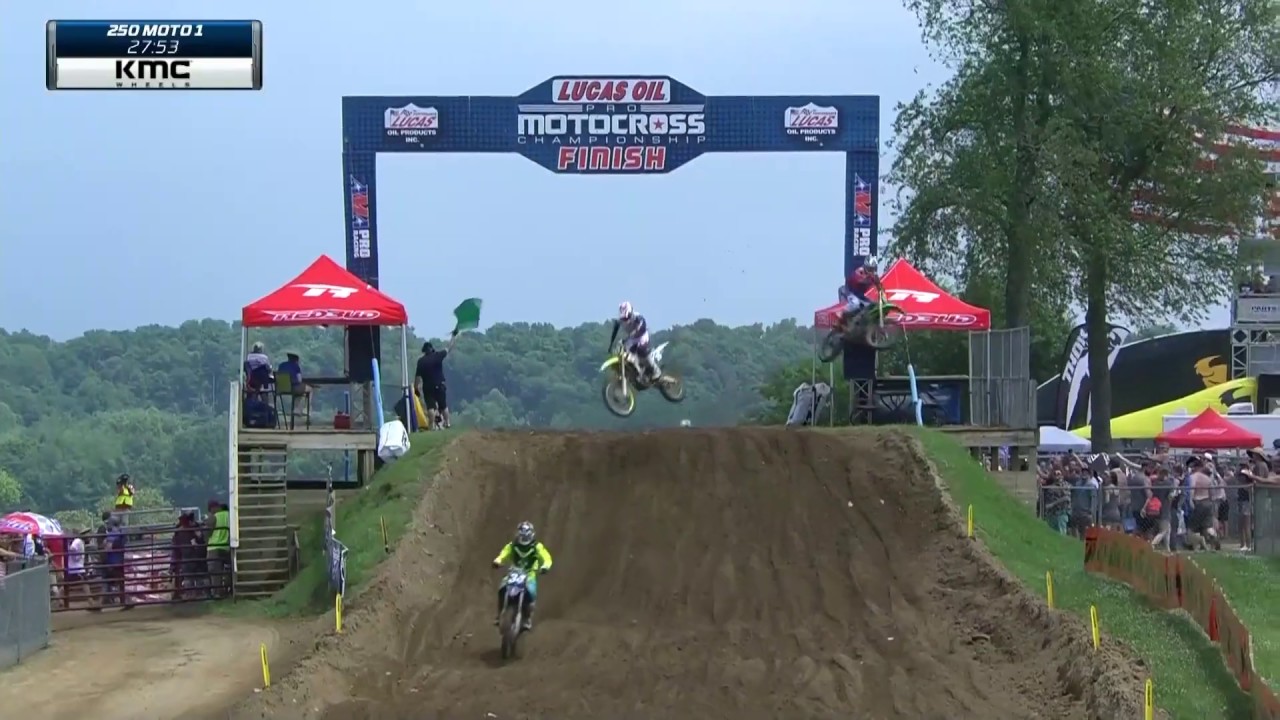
[324, 294]
[925, 306]
[1209, 430]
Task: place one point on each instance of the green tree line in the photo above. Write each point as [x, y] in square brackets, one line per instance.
[1079, 157]
[153, 401]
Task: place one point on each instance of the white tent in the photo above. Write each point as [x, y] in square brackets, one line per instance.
[1057, 440]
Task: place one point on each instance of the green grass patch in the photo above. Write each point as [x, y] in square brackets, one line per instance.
[1250, 583]
[1190, 678]
[391, 496]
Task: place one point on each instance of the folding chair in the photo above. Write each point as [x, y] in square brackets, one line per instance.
[286, 390]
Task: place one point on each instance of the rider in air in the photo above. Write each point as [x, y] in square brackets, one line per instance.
[854, 293]
[636, 340]
[531, 556]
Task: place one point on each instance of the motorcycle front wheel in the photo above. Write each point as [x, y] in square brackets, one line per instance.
[671, 387]
[510, 629]
[832, 345]
[619, 400]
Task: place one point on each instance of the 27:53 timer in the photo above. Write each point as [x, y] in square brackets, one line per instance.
[153, 47]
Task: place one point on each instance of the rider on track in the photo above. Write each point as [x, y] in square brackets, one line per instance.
[531, 556]
[854, 292]
[636, 341]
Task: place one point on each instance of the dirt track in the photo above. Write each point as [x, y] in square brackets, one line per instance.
[701, 574]
[137, 665]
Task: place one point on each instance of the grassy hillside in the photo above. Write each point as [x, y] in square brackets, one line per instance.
[1190, 678]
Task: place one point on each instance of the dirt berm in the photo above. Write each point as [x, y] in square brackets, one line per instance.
[745, 573]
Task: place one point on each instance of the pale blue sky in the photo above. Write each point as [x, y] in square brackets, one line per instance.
[130, 208]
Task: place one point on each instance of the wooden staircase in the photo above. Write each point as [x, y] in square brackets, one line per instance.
[263, 558]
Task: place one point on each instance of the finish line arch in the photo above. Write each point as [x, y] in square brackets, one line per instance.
[616, 124]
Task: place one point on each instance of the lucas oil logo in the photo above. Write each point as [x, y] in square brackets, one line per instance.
[611, 124]
[811, 122]
[411, 123]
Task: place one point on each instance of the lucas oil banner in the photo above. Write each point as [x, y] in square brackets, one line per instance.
[628, 124]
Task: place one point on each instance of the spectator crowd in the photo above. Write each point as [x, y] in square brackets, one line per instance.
[1174, 502]
[122, 564]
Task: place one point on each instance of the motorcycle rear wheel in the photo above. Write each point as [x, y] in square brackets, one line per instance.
[671, 387]
[618, 401]
[510, 626]
[832, 345]
[882, 336]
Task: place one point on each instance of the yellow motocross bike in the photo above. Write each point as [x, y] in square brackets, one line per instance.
[625, 380]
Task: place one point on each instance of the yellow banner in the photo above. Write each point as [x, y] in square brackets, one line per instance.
[1147, 424]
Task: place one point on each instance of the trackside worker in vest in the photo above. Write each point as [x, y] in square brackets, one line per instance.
[124, 493]
[218, 562]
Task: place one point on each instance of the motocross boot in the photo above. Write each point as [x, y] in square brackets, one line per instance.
[528, 616]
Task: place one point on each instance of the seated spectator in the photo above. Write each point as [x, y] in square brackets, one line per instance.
[292, 367]
[257, 368]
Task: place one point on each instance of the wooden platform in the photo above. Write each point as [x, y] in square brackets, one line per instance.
[987, 437]
[311, 439]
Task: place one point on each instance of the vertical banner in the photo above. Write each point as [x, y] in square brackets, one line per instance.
[360, 171]
[1073, 389]
[862, 219]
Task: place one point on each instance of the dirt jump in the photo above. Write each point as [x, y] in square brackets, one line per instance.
[746, 573]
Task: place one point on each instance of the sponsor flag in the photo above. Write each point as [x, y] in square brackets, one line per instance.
[467, 315]
[1073, 388]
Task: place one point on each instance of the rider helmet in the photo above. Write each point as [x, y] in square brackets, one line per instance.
[524, 533]
[861, 277]
[625, 310]
[123, 479]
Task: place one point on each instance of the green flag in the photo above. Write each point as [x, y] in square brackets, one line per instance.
[468, 315]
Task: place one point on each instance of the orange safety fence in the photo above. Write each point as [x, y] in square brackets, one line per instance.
[1176, 582]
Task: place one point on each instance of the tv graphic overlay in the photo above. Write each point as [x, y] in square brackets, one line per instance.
[153, 55]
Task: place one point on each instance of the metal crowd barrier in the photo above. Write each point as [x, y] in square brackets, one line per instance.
[157, 566]
[1082, 512]
[24, 611]
[1266, 519]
